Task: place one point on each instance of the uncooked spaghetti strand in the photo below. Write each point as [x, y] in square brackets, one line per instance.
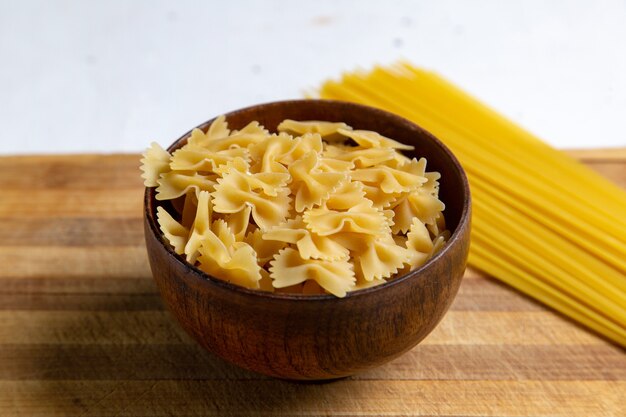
[611, 287]
[552, 274]
[572, 257]
[480, 189]
[492, 265]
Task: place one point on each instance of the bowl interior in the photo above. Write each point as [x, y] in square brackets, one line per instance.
[454, 189]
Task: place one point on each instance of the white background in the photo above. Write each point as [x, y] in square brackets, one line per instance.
[111, 76]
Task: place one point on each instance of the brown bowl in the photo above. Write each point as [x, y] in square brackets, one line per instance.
[316, 337]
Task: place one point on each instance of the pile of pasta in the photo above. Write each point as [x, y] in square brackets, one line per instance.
[542, 222]
[316, 208]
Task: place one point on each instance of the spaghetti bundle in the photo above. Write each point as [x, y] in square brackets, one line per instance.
[543, 223]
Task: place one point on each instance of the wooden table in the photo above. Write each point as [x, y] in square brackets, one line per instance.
[83, 330]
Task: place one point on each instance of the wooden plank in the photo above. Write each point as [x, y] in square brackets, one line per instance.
[604, 154]
[114, 327]
[279, 398]
[616, 171]
[425, 362]
[62, 262]
[478, 293]
[33, 301]
[90, 327]
[72, 231]
[505, 362]
[48, 203]
[70, 172]
[82, 284]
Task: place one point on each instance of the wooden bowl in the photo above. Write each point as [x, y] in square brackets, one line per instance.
[319, 337]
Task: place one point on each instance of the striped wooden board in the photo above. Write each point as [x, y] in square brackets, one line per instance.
[83, 330]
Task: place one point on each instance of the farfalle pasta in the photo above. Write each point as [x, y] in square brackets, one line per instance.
[314, 208]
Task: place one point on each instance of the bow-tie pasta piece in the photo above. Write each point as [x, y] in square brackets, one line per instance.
[440, 241]
[418, 243]
[239, 222]
[438, 227]
[310, 185]
[175, 233]
[329, 131]
[268, 182]
[265, 249]
[388, 179]
[251, 134]
[423, 206]
[369, 139]
[217, 130]
[334, 165]
[201, 227]
[310, 245]
[288, 268]
[418, 168]
[265, 154]
[381, 259]
[360, 157]
[155, 161]
[189, 208]
[379, 198]
[196, 158]
[362, 218]
[400, 179]
[223, 258]
[176, 184]
[300, 147]
[345, 196]
[233, 194]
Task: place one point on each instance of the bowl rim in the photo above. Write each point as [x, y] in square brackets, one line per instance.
[205, 279]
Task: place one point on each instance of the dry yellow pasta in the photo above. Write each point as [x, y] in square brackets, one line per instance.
[542, 222]
[303, 210]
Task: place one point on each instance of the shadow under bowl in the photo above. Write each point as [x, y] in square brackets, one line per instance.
[319, 337]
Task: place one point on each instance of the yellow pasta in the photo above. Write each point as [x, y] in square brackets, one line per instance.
[155, 162]
[369, 139]
[310, 245]
[327, 130]
[362, 218]
[175, 233]
[198, 158]
[201, 228]
[222, 256]
[380, 258]
[235, 192]
[310, 184]
[542, 222]
[175, 184]
[288, 268]
[317, 208]
[265, 248]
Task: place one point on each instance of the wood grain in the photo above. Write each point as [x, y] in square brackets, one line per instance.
[83, 330]
[104, 327]
[213, 397]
